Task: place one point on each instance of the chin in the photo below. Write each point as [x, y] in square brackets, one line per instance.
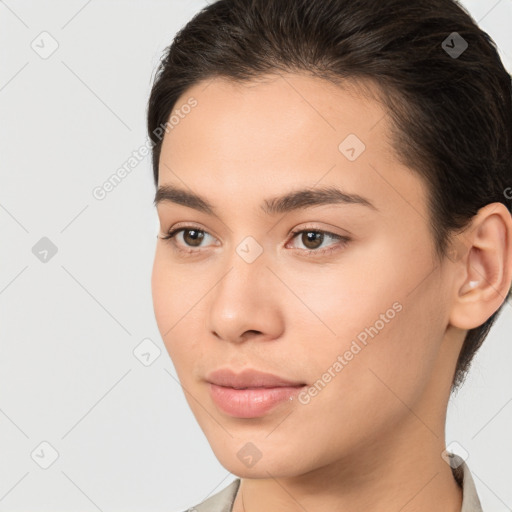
[245, 460]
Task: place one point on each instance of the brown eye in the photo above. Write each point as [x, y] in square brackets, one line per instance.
[312, 239]
[193, 237]
[186, 238]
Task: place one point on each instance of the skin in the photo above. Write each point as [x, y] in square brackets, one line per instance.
[373, 437]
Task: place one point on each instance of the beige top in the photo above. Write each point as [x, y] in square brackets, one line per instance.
[223, 500]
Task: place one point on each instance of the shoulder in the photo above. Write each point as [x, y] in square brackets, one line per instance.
[461, 472]
[219, 502]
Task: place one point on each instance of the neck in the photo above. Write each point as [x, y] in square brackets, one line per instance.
[401, 471]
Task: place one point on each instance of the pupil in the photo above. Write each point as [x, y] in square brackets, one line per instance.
[195, 238]
[312, 236]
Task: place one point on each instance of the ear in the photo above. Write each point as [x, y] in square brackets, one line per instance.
[484, 270]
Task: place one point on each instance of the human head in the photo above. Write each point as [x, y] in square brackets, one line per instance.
[448, 121]
[453, 116]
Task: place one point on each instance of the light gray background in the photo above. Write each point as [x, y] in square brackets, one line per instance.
[125, 437]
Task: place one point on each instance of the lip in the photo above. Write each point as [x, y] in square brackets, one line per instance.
[249, 378]
[262, 391]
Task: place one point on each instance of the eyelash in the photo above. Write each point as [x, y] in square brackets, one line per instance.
[343, 240]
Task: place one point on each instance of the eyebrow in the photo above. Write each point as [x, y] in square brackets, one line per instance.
[291, 201]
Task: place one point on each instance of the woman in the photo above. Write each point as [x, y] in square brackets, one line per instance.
[335, 243]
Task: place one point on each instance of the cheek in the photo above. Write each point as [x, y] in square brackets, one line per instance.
[379, 322]
[173, 291]
[359, 388]
[178, 303]
[169, 302]
[162, 292]
[341, 299]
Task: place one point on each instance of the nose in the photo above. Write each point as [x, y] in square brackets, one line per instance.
[247, 300]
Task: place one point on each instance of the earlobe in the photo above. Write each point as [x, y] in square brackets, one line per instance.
[487, 268]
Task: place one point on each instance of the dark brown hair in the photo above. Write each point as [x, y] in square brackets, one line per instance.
[451, 113]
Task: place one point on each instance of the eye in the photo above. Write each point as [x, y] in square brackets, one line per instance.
[313, 239]
[191, 238]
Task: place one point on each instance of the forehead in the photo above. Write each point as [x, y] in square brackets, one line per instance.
[287, 116]
[279, 132]
[273, 110]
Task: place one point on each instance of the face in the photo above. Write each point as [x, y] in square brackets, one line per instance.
[344, 296]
